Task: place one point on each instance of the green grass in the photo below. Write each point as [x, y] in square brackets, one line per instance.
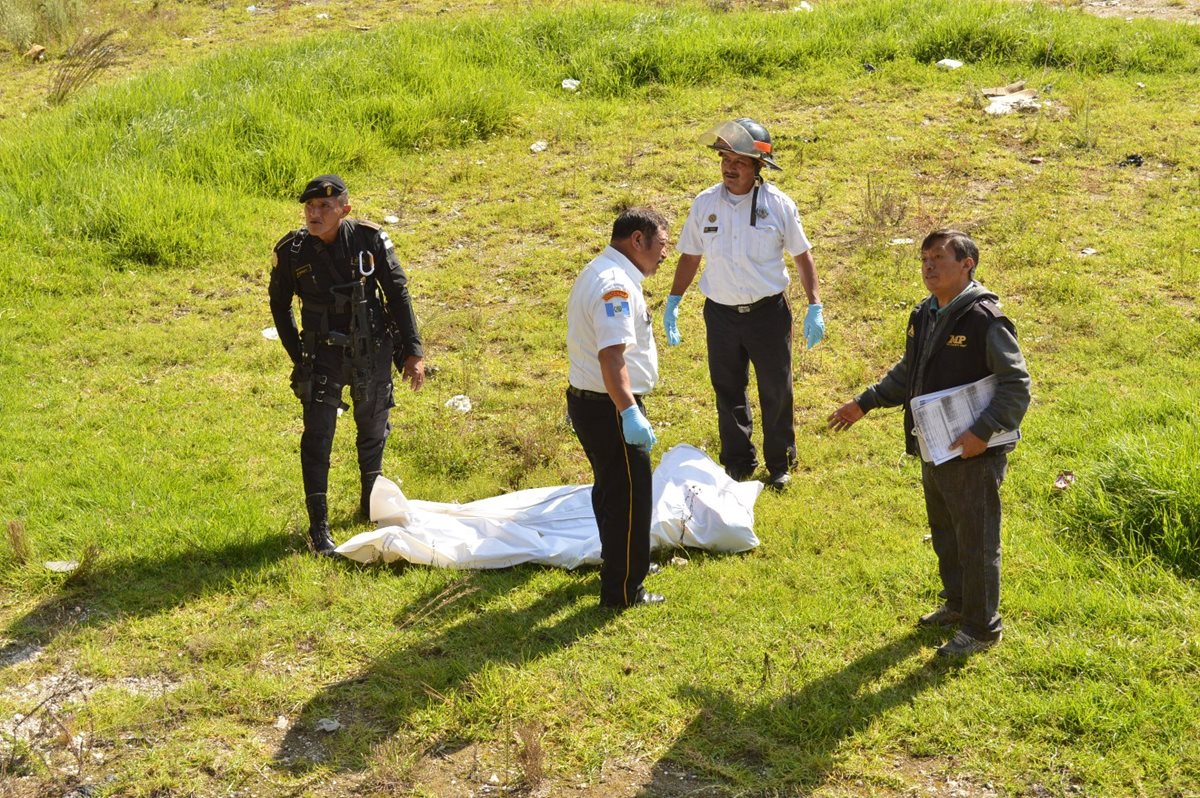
[1143, 494]
[141, 411]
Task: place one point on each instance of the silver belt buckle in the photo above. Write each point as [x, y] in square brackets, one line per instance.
[743, 308]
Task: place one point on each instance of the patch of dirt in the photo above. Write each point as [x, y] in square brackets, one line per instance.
[1175, 10]
[937, 778]
[44, 720]
[473, 771]
[18, 653]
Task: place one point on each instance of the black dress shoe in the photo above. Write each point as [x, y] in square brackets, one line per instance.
[739, 474]
[644, 597]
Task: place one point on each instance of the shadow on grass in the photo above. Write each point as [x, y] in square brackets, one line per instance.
[125, 587]
[789, 745]
[476, 628]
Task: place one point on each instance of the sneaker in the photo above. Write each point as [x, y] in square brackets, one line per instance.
[942, 616]
[777, 482]
[739, 474]
[963, 645]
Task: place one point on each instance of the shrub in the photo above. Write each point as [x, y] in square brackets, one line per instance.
[1143, 496]
[26, 22]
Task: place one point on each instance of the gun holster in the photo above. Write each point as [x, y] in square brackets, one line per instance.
[302, 382]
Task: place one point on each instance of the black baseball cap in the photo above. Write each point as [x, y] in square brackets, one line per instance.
[323, 186]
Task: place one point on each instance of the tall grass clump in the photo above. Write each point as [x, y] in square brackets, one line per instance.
[27, 22]
[1142, 496]
[92, 54]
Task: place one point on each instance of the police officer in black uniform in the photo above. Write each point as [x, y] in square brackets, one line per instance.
[356, 319]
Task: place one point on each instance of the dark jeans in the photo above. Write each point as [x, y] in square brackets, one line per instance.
[962, 500]
[370, 417]
[762, 337]
[621, 497]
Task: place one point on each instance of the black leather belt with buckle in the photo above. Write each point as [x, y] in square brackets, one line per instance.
[756, 303]
[595, 396]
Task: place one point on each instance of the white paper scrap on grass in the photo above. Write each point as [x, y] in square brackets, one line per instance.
[695, 504]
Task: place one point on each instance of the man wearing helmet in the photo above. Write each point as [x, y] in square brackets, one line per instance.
[744, 226]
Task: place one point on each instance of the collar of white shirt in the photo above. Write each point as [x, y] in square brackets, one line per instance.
[625, 263]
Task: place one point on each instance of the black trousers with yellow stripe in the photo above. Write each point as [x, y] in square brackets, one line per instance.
[622, 493]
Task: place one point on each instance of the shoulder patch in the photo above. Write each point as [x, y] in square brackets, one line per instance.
[615, 293]
[617, 309]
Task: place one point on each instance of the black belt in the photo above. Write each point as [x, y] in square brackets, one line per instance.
[595, 396]
[747, 308]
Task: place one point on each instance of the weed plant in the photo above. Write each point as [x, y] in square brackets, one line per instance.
[91, 55]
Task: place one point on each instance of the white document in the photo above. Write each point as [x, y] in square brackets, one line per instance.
[940, 417]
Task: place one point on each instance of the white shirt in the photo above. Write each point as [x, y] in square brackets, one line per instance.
[606, 308]
[744, 263]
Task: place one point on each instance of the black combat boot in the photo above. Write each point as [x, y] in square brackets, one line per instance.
[364, 502]
[318, 525]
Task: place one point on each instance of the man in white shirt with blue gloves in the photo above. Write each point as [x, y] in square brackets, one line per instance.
[744, 226]
[613, 364]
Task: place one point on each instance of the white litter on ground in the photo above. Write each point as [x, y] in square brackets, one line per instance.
[61, 566]
[460, 402]
[1013, 97]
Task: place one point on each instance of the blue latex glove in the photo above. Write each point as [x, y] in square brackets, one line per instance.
[636, 428]
[814, 325]
[671, 320]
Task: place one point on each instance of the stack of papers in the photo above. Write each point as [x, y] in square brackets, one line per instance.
[940, 417]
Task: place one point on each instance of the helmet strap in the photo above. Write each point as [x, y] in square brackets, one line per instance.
[754, 200]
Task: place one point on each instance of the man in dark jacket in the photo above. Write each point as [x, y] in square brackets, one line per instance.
[356, 318]
[958, 335]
